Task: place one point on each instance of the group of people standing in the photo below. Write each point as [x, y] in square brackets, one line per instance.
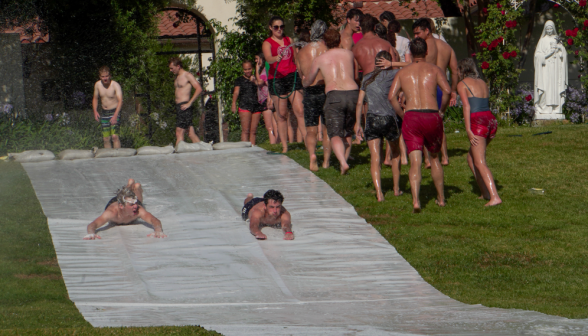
[367, 81]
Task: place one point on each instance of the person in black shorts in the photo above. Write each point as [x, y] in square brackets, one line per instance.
[314, 95]
[267, 211]
[125, 208]
[249, 107]
[183, 83]
[381, 123]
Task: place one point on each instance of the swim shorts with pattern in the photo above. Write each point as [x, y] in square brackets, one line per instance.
[314, 103]
[422, 127]
[108, 129]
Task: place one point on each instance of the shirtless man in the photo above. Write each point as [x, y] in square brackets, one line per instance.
[351, 27]
[183, 83]
[111, 100]
[366, 49]
[441, 54]
[125, 208]
[267, 211]
[336, 67]
[422, 122]
[314, 95]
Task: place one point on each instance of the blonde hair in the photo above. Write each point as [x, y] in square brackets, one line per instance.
[124, 192]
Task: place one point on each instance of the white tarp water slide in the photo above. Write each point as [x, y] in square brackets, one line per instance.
[338, 277]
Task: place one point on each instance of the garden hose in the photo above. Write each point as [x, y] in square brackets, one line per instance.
[293, 85]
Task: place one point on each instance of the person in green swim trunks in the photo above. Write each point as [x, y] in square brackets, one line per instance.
[110, 95]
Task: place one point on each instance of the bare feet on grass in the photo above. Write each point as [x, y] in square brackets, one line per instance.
[380, 195]
[494, 202]
[326, 164]
[440, 203]
[416, 207]
[344, 169]
[398, 193]
[445, 162]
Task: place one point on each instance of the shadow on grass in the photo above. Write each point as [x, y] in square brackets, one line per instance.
[429, 192]
[476, 189]
[456, 152]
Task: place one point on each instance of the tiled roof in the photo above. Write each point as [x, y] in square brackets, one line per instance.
[412, 10]
[29, 34]
[170, 25]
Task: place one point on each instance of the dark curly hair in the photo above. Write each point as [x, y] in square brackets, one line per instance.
[273, 195]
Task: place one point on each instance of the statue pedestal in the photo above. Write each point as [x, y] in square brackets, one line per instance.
[549, 116]
[543, 122]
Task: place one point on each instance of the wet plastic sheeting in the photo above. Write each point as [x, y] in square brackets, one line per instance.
[339, 276]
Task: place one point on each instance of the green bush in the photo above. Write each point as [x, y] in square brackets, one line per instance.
[20, 134]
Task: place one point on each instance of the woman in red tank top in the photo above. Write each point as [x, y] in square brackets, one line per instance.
[277, 49]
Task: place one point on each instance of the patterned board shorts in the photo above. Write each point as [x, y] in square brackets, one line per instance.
[108, 129]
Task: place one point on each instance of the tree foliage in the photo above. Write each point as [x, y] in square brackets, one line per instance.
[499, 53]
[122, 34]
[576, 38]
[252, 23]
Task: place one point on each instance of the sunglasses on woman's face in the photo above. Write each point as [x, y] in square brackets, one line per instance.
[279, 27]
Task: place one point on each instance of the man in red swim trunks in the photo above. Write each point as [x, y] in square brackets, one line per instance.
[422, 121]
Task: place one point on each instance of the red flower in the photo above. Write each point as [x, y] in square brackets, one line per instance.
[570, 41]
[498, 6]
[493, 45]
[555, 6]
[485, 65]
[484, 44]
[474, 54]
[510, 24]
[586, 23]
[574, 33]
[485, 10]
[500, 39]
[513, 53]
[503, 12]
[506, 55]
[528, 98]
[576, 29]
[577, 52]
[568, 32]
[582, 3]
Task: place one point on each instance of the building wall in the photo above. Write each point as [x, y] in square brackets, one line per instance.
[220, 10]
[11, 79]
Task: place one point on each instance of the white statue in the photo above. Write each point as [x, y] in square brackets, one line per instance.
[551, 74]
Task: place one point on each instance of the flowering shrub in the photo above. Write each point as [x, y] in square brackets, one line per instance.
[577, 38]
[498, 55]
[523, 109]
[576, 105]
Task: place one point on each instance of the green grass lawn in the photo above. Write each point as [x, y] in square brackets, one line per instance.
[530, 252]
[33, 297]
